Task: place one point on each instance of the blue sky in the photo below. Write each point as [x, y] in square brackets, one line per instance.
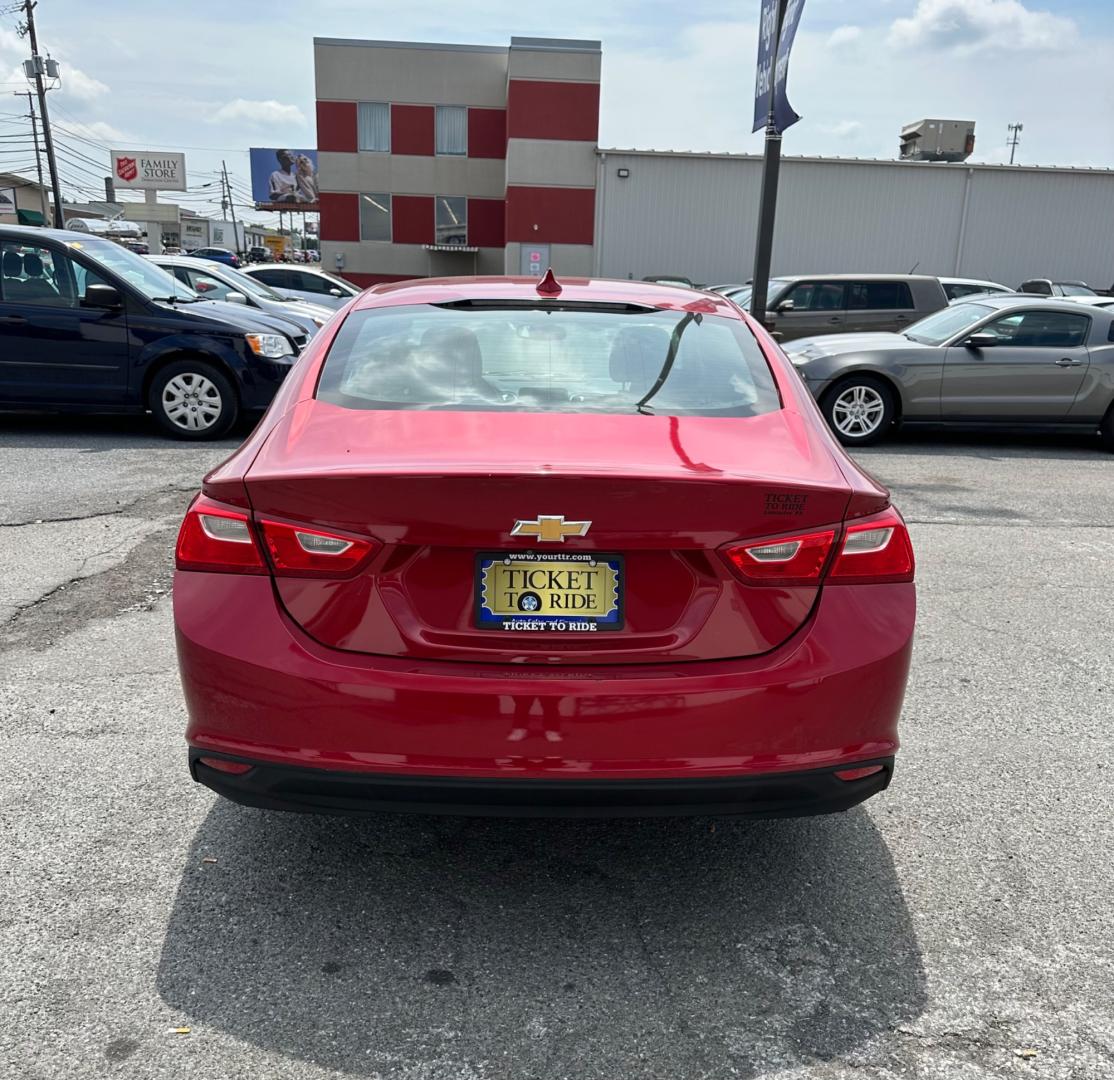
[216, 78]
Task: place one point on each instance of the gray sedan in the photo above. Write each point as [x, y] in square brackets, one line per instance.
[1000, 361]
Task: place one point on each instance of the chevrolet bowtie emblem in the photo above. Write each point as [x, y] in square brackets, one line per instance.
[551, 529]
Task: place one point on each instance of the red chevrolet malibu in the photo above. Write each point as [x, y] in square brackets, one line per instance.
[508, 546]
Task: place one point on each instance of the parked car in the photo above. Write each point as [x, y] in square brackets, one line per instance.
[304, 283]
[845, 303]
[88, 326]
[1047, 287]
[1100, 300]
[217, 254]
[669, 279]
[259, 254]
[956, 288]
[998, 361]
[218, 282]
[687, 627]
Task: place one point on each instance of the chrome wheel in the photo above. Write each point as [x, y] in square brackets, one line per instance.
[858, 411]
[191, 402]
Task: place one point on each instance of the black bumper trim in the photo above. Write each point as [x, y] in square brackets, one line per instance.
[769, 795]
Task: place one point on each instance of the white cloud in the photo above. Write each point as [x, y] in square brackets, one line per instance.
[969, 26]
[98, 131]
[81, 86]
[844, 35]
[259, 113]
[845, 129]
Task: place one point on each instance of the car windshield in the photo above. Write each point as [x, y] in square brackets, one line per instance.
[1078, 290]
[152, 281]
[741, 296]
[529, 358]
[945, 324]
[245, 283]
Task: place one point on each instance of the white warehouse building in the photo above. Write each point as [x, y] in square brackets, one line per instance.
[696, 215]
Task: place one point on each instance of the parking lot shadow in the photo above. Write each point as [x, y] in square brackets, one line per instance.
[519, 948]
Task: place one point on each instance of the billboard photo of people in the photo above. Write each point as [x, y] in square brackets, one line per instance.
[284, 179]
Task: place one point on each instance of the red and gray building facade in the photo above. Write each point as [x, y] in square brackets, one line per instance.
[457, 159]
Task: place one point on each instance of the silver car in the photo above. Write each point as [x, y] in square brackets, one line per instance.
[999, 361]
[304, 283]
[215, 281]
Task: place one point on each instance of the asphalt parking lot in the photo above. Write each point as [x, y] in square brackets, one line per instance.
[958, 926]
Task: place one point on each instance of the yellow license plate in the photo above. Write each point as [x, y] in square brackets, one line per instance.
[552, 593]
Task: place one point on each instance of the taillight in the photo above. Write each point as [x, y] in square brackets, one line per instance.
[219, 538]
[870, 549]
[790, 560]
[298, 551]
[875, 548]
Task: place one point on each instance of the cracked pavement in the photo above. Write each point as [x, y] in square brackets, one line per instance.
[957, 926]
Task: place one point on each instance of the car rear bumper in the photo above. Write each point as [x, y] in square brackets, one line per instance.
[260, 690]
[284, 787]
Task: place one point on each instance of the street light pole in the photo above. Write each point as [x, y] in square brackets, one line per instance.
[771, 169]
[51, 161]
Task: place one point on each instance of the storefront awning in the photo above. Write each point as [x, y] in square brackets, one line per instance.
[451, 249]
[30, 217]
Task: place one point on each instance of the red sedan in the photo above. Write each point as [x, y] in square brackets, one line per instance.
[502, 546]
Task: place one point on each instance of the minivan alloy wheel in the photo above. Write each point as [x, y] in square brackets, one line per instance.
[858, 411]
[191, 401]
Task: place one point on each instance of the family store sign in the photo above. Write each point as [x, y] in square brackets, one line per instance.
[150, 170]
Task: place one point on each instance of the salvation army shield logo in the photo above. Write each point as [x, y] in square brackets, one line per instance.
[126, 168]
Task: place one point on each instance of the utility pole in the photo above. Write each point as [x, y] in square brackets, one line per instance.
[231, 205]
[38, 156]
[771, 167]
[1014, 138]
[37, 67]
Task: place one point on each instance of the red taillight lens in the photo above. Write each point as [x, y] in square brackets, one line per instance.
[790, 560]
[296, 550]
[217, 538]
[876, 548]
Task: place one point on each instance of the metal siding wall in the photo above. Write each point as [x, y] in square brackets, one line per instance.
[1058, 225]
[697, 216]
[860, 218]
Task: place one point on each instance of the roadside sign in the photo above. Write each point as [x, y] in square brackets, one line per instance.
[149, 170]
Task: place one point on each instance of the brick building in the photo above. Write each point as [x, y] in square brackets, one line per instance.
[457, 159]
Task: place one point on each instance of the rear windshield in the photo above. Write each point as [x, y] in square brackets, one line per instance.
[584, 358]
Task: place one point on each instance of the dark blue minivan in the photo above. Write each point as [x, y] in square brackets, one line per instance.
[86, 325]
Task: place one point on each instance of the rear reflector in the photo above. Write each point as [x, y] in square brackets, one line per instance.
[217, 538]
[859, 774]
[236, 768]
[791, 560]
[875, 548]
[296, 551]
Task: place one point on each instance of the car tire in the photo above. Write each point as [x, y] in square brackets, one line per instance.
[193, 400]
[1106, 430]
[860, 410]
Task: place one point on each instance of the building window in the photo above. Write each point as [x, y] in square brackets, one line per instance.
[374, 123]
[452, 129]
[375, 217]
[452, 219]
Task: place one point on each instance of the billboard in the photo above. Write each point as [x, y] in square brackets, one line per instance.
[283, 179]
[149, 170]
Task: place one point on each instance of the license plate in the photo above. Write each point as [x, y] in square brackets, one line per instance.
[573, 592]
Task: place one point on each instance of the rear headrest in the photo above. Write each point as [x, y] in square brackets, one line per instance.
[457, 346]
[33, 264]
[12, 265]
[637, 354]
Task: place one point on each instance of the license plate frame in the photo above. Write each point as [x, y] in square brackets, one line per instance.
[490, 616]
